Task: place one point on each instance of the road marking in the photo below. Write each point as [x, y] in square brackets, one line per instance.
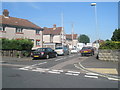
[23, 69]
[39, 64]
[58, 59]
[113, 79]
[57, 70]
[54, 72]
[73, 72]
[91, 73]
[104, 70]
[91, 76]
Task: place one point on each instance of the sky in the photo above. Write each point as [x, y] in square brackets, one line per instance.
[80, 14]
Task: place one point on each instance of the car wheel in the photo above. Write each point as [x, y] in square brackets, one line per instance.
[47, 57]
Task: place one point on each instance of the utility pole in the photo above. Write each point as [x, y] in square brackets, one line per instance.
[62, 24]
[72, 34]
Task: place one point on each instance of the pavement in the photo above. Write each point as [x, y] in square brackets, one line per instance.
[99, 66]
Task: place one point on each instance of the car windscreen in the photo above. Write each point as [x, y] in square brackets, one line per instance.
[59, 48]
[84, 48]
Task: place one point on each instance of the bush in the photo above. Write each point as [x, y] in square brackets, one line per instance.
[110, 45]
[23, 44]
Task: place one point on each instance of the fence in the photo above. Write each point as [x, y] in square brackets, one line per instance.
[15, 53]
[109, 55]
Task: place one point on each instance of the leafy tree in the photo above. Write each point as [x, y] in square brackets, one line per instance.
[83, 39]
[116, 35]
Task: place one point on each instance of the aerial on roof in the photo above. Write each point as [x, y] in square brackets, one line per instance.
[53, 31]
[6, 20]
[69, 36]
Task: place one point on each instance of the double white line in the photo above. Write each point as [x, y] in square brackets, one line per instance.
[72, 73]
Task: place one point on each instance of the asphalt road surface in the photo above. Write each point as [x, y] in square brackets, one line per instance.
[57, 72]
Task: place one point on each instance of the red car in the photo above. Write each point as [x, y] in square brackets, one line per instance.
[87, 51]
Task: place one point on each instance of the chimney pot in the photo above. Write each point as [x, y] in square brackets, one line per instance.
[6, 13]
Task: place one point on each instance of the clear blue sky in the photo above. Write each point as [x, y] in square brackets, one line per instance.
[81, 14]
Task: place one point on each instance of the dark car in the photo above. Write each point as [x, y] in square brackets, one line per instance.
[44, 53]
[87, 51]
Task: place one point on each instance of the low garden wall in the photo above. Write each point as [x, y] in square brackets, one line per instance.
[15, 53]
[109, 55]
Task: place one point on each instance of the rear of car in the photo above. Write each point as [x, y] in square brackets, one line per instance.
[74, 50]
[43, 53]
[62, 50]
[87, 51]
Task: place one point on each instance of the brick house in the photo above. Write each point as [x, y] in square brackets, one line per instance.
[53, 36]
[17, 28]
[69, 41]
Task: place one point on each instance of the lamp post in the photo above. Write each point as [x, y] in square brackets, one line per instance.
[96, 22]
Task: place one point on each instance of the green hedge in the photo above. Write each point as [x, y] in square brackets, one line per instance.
[110, 45]
[22, 44]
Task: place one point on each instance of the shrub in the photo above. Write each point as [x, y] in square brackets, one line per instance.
[110, 45]
[23, 44]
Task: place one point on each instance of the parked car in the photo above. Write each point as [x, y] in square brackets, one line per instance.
[62, 50]
[87, 51]
[74, 50]
[44, 53]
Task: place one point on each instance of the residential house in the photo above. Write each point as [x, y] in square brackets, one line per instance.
[53, 37]
[17, 28]
[71, 41]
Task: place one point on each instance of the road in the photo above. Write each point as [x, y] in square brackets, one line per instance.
[57, 72]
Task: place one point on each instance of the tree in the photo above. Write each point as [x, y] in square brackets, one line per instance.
[116, 35]
[83, 39]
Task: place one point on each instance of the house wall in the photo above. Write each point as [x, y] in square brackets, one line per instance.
[46, 38]
[57, 39]
[27, 33]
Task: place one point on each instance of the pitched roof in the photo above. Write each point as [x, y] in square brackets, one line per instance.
[69, 36]
[17, 22]
[48, 31]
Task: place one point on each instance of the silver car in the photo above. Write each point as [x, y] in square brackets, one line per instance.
[62, 50]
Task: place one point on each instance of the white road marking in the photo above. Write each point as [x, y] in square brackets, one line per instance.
[23, 69]
[113, 79]
[39, 64]
[57, 70]
[91, 76]
[54, 72]
[73, 72]
[58, 59]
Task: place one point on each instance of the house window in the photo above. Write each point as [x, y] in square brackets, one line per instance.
[37, 42]
[19, 30]
[32, 40]
[2, 29]
[37, 32]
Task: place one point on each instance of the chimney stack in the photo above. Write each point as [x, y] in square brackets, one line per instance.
[54, 26]
[6, 13]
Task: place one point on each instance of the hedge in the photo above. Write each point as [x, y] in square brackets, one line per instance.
[110, 45]
[22, 44]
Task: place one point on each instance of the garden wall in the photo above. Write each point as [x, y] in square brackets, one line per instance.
[109, 55]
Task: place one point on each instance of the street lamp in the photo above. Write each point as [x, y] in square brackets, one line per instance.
[96, 22]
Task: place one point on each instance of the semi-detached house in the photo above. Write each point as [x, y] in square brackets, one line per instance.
[53, 37]
[17, 28]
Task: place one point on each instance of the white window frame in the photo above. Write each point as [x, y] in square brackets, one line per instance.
[37, 43]
[37, 31]
[19, 30]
